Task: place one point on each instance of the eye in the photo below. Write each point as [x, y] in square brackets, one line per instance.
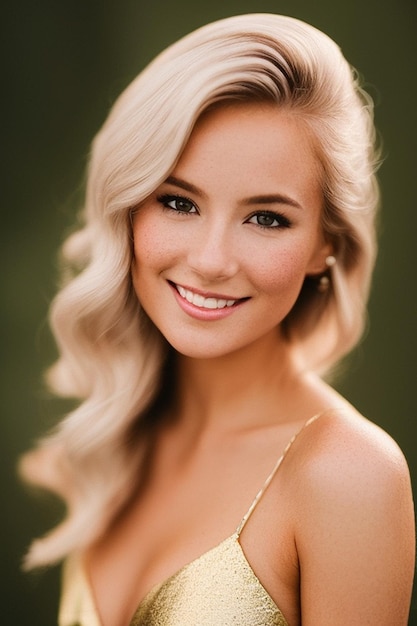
[179, 204]
[269, 219]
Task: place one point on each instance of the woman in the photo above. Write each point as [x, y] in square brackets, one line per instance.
[223, 267]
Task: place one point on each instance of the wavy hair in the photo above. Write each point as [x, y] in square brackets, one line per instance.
[111, 356]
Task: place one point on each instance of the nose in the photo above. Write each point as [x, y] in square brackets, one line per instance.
[212, 253]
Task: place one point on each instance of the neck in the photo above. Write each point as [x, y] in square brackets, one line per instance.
[238, 390]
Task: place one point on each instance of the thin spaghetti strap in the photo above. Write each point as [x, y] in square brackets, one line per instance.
[274, 471]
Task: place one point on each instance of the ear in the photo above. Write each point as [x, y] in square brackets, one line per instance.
[317, 264]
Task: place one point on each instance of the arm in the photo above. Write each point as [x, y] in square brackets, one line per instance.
[355, 536]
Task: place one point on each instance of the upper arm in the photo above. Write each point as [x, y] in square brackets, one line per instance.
[355, 534]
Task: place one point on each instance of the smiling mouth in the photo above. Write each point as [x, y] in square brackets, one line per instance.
[203, 302]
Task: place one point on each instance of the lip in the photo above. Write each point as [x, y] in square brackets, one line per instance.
[201, 312]
[206, 294]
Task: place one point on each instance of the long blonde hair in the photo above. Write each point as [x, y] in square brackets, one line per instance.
[111, 355]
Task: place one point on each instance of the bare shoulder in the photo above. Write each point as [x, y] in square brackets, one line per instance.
[353, 521]
[349, 477]
[343, 449]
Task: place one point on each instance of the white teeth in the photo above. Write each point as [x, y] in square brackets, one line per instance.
[197, 300]
[201, 301]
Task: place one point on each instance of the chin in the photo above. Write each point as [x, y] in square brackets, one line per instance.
[200, 352]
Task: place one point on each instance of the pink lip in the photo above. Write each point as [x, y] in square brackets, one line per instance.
[205, 315]
[207, 294]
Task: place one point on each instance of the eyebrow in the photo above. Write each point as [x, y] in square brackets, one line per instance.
[260, 199]
[183, 184]
[278, 198]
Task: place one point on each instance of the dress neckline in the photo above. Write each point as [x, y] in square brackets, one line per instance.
[76, 565]
[236, 535]
[235, 544]
[84, 583]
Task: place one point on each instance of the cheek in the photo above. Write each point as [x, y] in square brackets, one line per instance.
[151, 245]
[278, 270]
[145, 257]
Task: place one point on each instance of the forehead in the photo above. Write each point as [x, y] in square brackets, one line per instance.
[251, 145]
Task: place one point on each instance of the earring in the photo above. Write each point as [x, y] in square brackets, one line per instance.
[323, 284]
[324, 280]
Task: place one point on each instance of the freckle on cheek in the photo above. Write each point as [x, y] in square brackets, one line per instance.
[277, 273]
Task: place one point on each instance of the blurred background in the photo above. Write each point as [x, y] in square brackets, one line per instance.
[64, 64]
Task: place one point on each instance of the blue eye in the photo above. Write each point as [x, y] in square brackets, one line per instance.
[268, 219]
[179, 204]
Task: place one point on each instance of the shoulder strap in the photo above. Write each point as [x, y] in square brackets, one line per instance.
[274, 471]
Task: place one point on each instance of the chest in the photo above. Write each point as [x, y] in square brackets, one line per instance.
[181, 517]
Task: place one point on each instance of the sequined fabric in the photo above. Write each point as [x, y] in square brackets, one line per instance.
[218, 588]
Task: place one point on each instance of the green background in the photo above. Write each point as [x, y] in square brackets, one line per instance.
[64, 64]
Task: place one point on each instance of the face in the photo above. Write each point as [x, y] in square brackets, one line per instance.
[222, 247]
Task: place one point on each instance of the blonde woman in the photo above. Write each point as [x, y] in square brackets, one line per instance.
[211, 476]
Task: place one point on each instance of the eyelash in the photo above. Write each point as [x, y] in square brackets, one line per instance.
[167, 198]
[282, 221]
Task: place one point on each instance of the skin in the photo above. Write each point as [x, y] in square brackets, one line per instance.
[332, 538]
